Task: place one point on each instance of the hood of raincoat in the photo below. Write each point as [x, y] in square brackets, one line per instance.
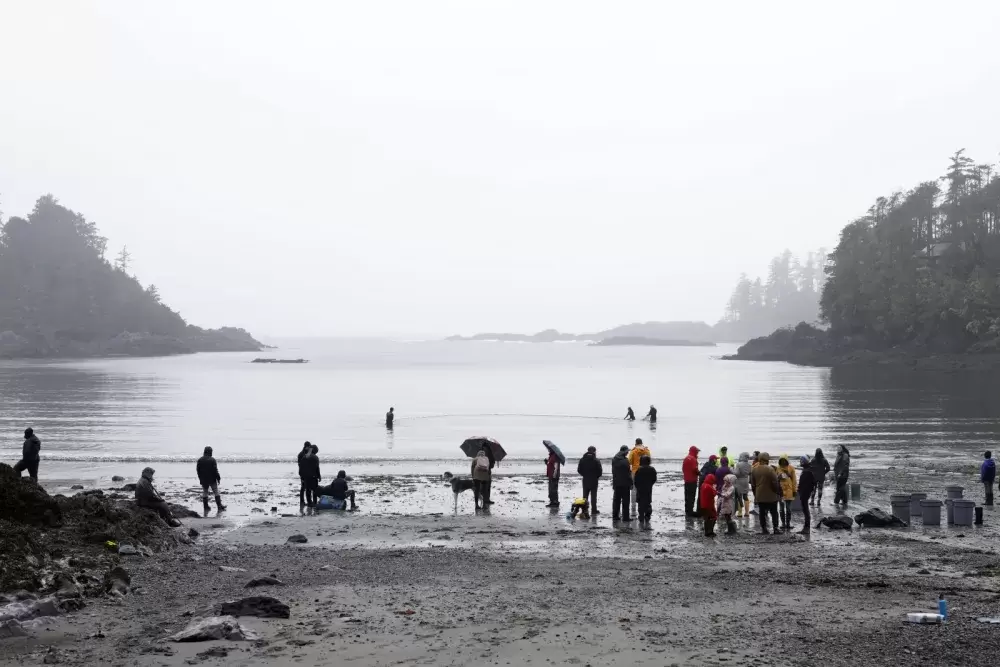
[728, 485]
[693, 451]
[744, 457]
[148, 473]
[710, 479]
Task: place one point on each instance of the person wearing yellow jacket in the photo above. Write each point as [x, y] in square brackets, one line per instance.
[634, 460]
[787, 481]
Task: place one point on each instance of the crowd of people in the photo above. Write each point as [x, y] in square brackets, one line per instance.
[720, 490]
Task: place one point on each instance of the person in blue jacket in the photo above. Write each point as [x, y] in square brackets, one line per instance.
[987, 475]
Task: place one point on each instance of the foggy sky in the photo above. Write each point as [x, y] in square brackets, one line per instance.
[414, 168]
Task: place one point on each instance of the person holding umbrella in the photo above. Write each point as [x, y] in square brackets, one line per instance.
[590, 470]
[494, 452]
[553, 466]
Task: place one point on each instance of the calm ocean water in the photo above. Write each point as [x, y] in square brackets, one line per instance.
[167, 409]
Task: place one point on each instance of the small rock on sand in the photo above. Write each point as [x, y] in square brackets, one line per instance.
[76, 487]
[213, 627]
[264, 581]
[226, 568]
[118, 581]
[117, 478]
[298, 539]
[193, 533]
[258, 605]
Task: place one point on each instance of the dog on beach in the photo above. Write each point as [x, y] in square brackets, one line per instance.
[460, 484]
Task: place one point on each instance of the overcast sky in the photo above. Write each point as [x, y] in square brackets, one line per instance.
[410, 168]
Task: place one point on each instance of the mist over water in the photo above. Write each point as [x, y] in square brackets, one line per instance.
[166, 409]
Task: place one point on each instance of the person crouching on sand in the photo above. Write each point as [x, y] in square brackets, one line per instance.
[708, 510]
[147, 496]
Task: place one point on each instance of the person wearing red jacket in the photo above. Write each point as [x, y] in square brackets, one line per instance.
[708, 505]
[691, 471]
[552, 469]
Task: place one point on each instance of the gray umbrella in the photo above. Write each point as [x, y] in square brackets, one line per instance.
[554, 448]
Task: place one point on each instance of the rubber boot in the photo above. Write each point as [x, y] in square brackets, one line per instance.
[731, 528]
[207, 508]
[218, 504]
[709, 527]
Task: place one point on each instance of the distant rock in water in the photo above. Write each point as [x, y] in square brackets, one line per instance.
[260, 360]
[653, 342]
[804, 345]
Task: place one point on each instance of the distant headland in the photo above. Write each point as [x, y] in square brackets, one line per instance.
[60, 297]
[639, 333]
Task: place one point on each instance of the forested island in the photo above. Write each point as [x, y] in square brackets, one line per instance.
[60, 297]
[913, 281]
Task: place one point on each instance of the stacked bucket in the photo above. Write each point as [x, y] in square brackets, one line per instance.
[906, 506]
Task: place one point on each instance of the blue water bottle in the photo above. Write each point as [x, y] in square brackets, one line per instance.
[943, 607]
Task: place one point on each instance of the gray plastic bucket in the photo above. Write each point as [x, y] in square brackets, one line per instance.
[915, 499]
[901, 506]
[950, 507]
[954, 491]
[855, 490]
[932, 512]
[964, 511]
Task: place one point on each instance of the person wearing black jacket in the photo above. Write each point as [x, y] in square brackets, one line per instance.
[339, 490]
[208, 477]
[645, 478]
[30, 456]
[590, 470]
[311, 475]
[621, 482]
[306, 448]
[807, 482]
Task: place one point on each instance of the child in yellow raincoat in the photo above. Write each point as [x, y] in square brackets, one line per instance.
[787, 481]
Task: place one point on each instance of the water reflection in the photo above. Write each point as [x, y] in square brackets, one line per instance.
[901, 409]
[74, 408]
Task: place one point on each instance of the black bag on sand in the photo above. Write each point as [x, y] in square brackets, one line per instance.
[839, 522]
[876, 518]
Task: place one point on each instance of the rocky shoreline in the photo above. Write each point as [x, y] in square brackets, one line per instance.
[806, 345]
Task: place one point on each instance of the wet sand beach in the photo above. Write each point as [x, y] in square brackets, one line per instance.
[523, 584]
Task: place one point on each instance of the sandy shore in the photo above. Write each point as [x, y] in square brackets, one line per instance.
[378, 589]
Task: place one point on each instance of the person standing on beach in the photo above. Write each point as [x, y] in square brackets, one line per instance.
[208, 477]
[820, 467]
[711, 465]
[786, 479]
[481, 475]
[721, 472]
[630, 415]
[552, 470]
[841, 471]
[643, 480]
[742, 484]
[707, 503]
[590, 470]
[30, 455]
[766, 492]
[311, 475]
[728, 503]
[807, 482]
[390, 417]
[621, 484]
[306, 448]
[634, 459]
[987, 475]
[690, 470]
